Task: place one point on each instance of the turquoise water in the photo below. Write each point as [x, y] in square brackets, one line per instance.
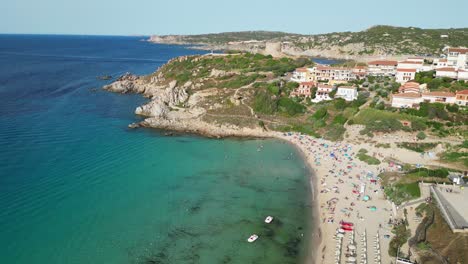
[77, 186]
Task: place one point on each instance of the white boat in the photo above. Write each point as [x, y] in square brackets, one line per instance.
[252, 238]
[269, 219]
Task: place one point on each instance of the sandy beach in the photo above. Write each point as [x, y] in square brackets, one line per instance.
[353, 216]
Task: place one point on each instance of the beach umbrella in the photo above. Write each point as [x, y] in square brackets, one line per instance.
[366, 198]
[340, 230]
[352, 247]
[373, 208]
[340, 235]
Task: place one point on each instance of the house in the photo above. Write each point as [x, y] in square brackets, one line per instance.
[438, 97]
[333, 74]
[404, 75]
[409, 64]
[301, 75]
[412, 87]
[457, 57]
[440, 63]
[304, 89]
[322, 93]
[461, 98]
[448, 72]
[416, 59]
[359, 71]
[462, 75]
[382, 67]
[349, 93]
[406, 100]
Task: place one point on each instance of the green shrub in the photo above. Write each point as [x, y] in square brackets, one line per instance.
[321, 113]
[264, 102]
[290, 107]
[421, 135]
[418, 125]
[424, 172]
[417, 147]
[339, 119]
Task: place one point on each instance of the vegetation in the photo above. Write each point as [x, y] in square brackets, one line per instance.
[382, 121]
[366, 158]
[418, 147]
[421, 135]
[402, 235]
[383, 39]
[401, 192]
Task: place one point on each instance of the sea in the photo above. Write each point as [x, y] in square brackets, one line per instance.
[78, 186]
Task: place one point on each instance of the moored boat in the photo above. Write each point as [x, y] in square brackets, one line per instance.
[252, 238]
[268, 219]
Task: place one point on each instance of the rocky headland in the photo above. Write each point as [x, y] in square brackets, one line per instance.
[181, 106]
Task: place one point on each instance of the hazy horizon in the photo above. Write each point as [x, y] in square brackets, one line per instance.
[123, 18]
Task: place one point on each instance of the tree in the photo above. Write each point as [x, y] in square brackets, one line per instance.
[421, 135]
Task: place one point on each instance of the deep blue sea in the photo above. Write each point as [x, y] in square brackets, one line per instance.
[78, 186]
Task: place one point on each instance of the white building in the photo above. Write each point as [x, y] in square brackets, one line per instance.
[348, 93]
[448, 72]
[439, 97]
[440, 63]
[301, 75]
[404, 75]
[462, 75]
[462, 98]
[407, 64]
[333, 74]
[406, 100]
[458, 57]
[323, 93]
[416, 59]
[382, 68]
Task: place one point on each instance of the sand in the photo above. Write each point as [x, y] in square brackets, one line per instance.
[337, 177]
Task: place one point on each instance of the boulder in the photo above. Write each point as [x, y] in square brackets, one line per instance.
[154, 109]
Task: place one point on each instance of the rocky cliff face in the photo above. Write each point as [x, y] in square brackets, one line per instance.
[163, 96]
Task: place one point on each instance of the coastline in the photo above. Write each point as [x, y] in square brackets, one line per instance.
[314, 237]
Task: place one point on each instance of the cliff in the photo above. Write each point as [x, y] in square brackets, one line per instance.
[378, 41]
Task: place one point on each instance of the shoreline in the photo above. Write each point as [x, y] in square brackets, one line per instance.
[314, 237]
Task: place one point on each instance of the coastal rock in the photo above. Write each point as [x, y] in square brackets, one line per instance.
[154, 109]
[120, 87]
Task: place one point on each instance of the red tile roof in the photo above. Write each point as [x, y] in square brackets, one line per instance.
[411, 62]
[323, 86]
[449, 69]
[410, 84]
[406, 70]
[307, 83]
[407, 95]
[460, 50]
[463, 92]
[301, 69]
[383, 62]
[439, 94]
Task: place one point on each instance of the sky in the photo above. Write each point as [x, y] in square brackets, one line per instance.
[146, 17]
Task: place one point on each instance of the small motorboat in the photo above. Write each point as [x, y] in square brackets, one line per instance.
[252, 238]
[268, 219]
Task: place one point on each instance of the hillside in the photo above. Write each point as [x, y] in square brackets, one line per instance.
[375, 41]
